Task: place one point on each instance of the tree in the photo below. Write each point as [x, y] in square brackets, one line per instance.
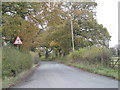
[113, 51]
[15, 8]
[14, 26]
[54, 19]
[86, 26]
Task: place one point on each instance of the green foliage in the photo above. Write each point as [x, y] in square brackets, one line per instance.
[17, 26]
[35, 57]
[62, 36]
[19, 8]
[56, 38]
[90, 67]
[57, 34]
[54, 19]
[14, 60]
[0, 65]
[98, 69]
[93, 55]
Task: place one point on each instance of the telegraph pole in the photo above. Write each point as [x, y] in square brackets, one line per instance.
[72, 31]
[72, 36]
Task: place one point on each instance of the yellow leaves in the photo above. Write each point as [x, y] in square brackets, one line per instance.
[53, 44]
[55, 49]
[27, 34]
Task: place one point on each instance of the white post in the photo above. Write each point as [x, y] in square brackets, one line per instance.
[72, 37]
[72, 29]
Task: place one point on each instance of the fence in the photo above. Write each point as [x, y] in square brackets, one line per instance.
[114, 62]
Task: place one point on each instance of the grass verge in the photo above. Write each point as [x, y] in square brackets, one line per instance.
[93, 68]
[11, 81]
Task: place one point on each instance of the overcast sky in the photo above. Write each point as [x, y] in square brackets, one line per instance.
[107, 14]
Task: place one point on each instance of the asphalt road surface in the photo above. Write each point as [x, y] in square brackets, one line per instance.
[56, 75]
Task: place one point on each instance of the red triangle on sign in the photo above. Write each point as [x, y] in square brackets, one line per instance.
[18, 41]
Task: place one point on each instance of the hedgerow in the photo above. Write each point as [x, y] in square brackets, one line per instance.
[92, 55]
[15, 61]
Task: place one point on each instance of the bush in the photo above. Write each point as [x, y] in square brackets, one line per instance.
[15, 61]
[93, 55]
[35, 57]
[0, 63]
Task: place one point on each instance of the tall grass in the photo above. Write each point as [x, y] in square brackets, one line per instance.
[0, 63]
[0, 69]
[15, 61]
[92, 55]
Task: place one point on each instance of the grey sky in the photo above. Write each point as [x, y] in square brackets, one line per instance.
[107, 14]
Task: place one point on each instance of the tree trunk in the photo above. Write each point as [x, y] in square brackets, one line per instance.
[46, 54]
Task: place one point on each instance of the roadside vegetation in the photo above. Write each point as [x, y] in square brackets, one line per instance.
[93, 59]
[0, 68]
[16, 63]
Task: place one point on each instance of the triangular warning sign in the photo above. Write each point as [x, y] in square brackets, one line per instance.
[18, 41]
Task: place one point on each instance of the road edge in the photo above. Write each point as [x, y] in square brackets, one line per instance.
[89, 71]
[24, 76]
